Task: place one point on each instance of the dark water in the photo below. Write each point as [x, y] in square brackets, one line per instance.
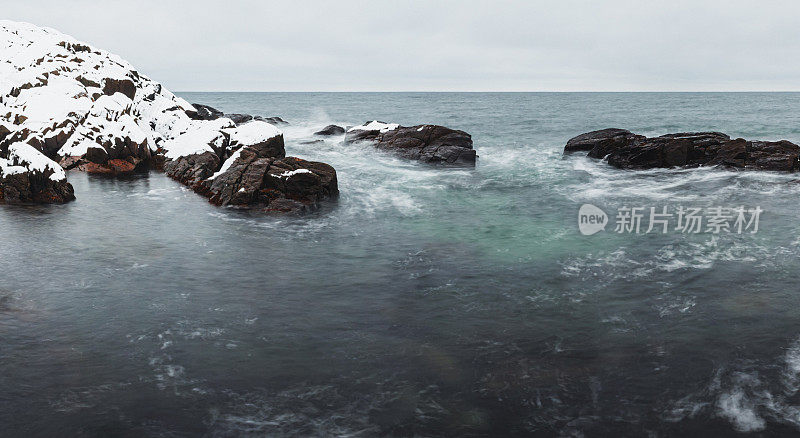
[425, 302]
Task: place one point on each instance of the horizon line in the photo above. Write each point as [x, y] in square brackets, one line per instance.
[488, 91]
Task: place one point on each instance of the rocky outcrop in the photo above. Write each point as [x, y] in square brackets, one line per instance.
[330, 130]
[27, 176]
[67, 105]
[244, 118]
[426, 143]
[255, 172]
[626, 150]
[205, 112]
[274, 184]
[33, 187]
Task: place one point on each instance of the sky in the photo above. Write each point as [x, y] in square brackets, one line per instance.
[465, 45]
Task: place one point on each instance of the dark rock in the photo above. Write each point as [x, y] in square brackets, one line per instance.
[270, 148]
[275, 120]
[313, 142]
[96, 155]
[193, 169]
[239, 118]
[256, 176]
[330, 130]
[773, 155]
[601, 140]
[305, 181]
[244, 118]
[124, 86]
[205, 112]
[426, 143]
[273, 184]
[649, 153]
[34, 187]
[687, 149]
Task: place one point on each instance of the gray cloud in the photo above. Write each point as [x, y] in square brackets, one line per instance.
[446, 45]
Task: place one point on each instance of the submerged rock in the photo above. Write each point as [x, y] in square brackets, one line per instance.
[67, 105]
[626, 150]
[426, 143]
[330, 130]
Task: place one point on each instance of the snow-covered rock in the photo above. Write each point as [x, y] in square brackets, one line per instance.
[67, 104]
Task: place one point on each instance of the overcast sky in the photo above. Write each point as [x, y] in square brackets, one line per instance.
[481, 45]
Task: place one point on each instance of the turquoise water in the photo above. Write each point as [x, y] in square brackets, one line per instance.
[425, 301]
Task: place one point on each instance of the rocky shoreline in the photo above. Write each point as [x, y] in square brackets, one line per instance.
[65, 105]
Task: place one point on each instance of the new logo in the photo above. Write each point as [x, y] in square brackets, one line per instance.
[591, 219]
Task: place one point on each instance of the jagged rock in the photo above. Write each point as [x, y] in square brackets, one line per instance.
[330, 130]
[426, 143]
[65, 103]
[32, 187]
[192, 169]
[124, 86]
[255, 174]
[274, 184]
[261, 136]
[773, 155]
[65, 98]
[195, 155]
[626, 150]
[27, 176]
[205, 112]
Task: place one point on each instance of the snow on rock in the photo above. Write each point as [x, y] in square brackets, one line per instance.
[290, 173]
[65, 104]
[430, 144]
[253, 132]
[375, 126]
[227, 164]
[202, 136]
[63, 97]
[26, 156]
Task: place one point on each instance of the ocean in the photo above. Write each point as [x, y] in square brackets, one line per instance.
[425, 301]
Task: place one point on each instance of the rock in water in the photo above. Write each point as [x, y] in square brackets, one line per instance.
[330, 130]
[244, 118]
[256, 172]
[426, 143]
[600, 140]
[275, 120]
[626, 150]
[67, 104]
[205, 112]
[27, 176]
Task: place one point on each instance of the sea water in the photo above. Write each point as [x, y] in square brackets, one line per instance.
[425, 301]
